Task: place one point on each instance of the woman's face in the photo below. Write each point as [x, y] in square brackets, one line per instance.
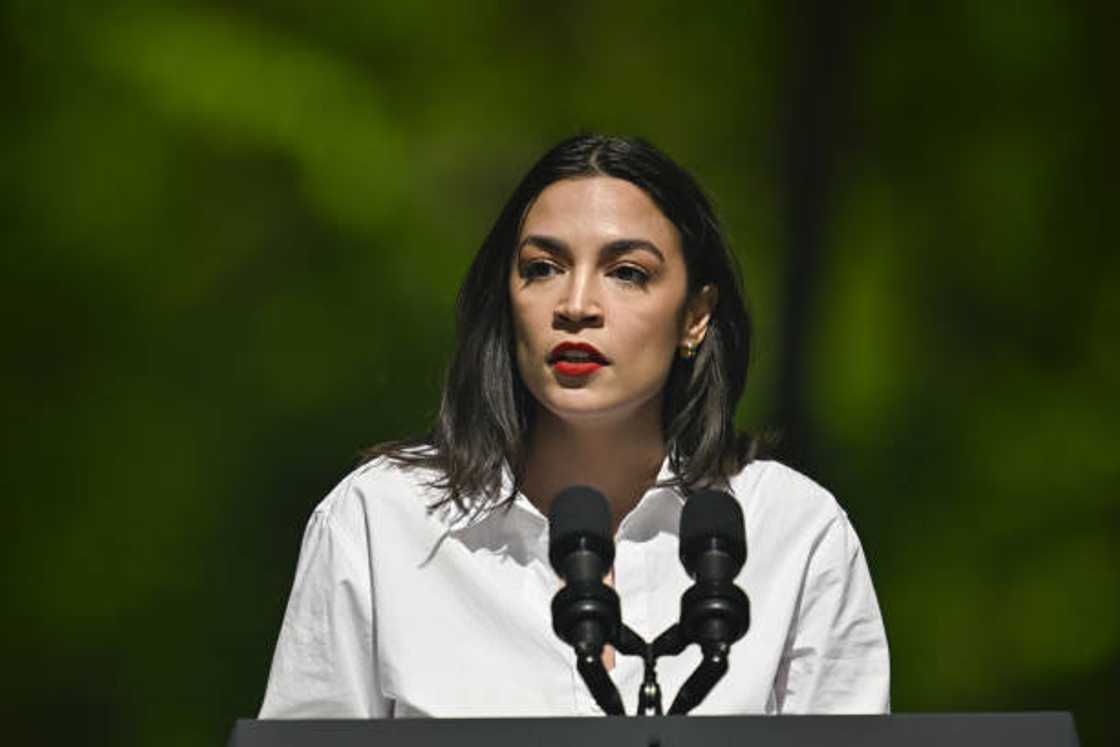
[598, 291]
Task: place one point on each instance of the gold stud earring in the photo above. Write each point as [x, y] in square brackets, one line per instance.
[688, 351]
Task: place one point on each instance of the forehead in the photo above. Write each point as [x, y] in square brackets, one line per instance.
[599, 208]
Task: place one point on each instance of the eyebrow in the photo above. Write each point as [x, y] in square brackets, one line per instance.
[611, 249]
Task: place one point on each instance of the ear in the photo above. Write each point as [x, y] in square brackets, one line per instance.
[697, 313]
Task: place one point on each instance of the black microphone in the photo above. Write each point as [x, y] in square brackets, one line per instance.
[585, 613]
[714, 611]
[713, 535]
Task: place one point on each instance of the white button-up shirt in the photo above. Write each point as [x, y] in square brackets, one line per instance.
[398, 610]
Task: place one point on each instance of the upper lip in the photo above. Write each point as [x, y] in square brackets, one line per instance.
[591, 350]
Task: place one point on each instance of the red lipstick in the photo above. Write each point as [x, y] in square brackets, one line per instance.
[576, 359]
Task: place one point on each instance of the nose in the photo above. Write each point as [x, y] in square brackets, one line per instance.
[579, 305]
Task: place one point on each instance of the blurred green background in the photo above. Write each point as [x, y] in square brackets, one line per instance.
[233, 233]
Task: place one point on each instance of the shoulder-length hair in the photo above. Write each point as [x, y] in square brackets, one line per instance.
[486, 411]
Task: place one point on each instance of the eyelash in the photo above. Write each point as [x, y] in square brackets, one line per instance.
[537, 269]
[637, 276]
[540, 269]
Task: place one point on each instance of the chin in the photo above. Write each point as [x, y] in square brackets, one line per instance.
[583, 407]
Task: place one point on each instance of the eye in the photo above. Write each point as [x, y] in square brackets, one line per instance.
[537, 269]
[631, 275]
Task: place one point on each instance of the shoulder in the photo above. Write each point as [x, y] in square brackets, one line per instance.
[773, 484]
[378, 487]
[784, 501]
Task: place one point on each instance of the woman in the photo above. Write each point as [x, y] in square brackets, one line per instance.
[602, 341]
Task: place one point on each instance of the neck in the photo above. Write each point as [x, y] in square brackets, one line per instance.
[619, 459]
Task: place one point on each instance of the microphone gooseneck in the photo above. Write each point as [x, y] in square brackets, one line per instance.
[585, 613]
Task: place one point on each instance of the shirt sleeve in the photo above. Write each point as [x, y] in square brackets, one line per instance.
[325, 661]
[836, 658]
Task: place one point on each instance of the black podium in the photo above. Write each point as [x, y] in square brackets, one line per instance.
[911, 730]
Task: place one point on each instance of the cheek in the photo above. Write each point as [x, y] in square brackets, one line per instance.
[523, 323]
[650, 337]
[516, 308]
[527, 337]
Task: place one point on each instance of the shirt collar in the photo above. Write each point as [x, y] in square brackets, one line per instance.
[658, 510]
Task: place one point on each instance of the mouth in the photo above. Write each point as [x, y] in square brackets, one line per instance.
[576, 359]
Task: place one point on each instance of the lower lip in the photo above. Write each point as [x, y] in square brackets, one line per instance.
[568, 368]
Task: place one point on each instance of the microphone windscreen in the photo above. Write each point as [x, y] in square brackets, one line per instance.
[579, 512]
[710, 514]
